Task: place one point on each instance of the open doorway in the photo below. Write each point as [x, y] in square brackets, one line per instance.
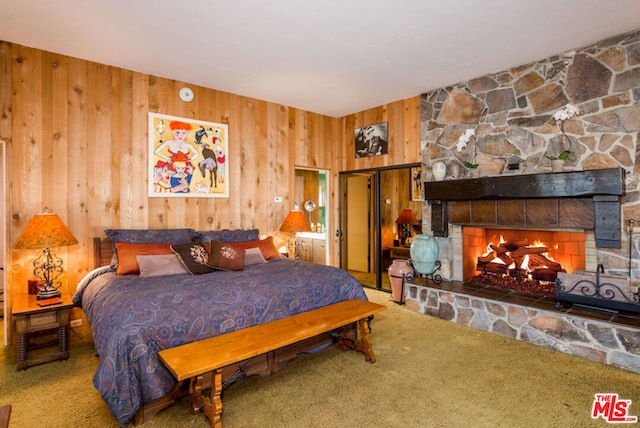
[372, 201]
[359, 213]
[310, 193]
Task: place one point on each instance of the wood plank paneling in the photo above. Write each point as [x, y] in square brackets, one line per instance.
[6, 92]
[78, 143]
[26, 171]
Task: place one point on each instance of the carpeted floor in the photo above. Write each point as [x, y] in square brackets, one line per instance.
[429, 373]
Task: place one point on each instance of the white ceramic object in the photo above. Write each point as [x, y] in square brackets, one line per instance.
[439, 170]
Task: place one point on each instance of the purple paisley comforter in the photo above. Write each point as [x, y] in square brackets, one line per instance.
[133, 318]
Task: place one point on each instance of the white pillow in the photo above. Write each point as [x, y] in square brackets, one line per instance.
[253, 256]
[158, 265]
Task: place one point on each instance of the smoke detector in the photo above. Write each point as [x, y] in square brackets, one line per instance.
[186, 95]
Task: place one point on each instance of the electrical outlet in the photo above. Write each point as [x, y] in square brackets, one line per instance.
[76, 323]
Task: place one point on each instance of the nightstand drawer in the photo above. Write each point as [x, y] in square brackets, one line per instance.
[41, 321]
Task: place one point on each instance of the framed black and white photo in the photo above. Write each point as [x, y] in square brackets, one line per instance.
[372, 140]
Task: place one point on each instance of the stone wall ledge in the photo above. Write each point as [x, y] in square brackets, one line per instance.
[596, 337]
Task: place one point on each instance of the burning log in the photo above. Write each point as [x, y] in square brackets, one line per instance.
[536, 260]
[514, 245]
[500, 249]
[492, 267]
[514, 255]
[523, 251]
[544, 274]
[505, 258]
[487, 258]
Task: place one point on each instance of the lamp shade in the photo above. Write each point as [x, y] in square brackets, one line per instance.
[45, 231]
[407, 217]
[295, 222]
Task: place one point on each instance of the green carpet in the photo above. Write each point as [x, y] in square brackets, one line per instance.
[429, 373]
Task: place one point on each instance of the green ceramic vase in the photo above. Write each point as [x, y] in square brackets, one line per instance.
[424, 254]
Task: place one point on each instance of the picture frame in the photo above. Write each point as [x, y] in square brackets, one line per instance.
[417, 188]
[187, 158]
[372, 140]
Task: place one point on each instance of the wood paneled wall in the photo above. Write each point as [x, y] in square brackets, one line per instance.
[403, 119]
[77, 134]
[396, 189]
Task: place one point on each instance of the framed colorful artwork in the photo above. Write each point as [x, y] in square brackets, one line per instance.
[187, 158]
[417, 193]
[372, 140]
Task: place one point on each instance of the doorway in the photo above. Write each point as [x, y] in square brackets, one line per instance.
[311, 188]
[371, 202]
[360, 210]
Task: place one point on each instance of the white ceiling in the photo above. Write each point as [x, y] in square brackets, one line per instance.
[333, 57]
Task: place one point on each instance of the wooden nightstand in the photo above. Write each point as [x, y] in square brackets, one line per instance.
[31, 318]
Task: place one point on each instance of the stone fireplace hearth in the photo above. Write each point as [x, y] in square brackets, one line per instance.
[600, 336]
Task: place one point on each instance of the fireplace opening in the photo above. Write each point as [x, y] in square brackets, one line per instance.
[524, 260]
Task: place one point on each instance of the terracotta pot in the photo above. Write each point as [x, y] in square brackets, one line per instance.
[398, 270]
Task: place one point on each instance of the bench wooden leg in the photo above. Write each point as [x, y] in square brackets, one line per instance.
[211, 407]
[363, 344]
[215, 414]
[360, 343]
[197, 398]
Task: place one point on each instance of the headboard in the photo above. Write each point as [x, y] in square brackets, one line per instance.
[103, 249]
[102, 252]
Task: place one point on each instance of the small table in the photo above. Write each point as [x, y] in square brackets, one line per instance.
[31, 318]
[400, 253]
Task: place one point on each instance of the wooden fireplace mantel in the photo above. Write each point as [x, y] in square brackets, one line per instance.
[603, 186]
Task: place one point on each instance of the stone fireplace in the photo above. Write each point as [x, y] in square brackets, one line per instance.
[558, 220]
[575, 225]
[560, 207]
[511, 114]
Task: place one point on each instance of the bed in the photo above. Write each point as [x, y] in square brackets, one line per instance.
[134, 315]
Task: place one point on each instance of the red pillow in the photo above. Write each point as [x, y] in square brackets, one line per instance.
[127, 253]
[266, 246]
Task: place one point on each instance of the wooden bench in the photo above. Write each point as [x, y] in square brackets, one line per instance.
[194, 360]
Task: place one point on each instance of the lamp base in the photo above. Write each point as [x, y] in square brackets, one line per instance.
[48, 294]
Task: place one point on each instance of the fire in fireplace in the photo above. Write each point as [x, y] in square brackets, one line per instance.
[523, 260]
